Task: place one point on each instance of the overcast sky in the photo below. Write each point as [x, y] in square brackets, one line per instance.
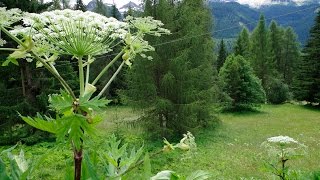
[119, 3]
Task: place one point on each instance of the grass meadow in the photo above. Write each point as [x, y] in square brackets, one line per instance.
[232, 150]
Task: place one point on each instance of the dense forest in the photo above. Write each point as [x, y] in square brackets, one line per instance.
[179, 82]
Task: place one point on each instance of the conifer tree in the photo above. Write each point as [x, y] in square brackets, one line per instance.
[56, 4]
[291, 55]
[242, 46]
[260, 51]
[80, 6]
[176, 86]
[65, 4]
[100, 8]
[242, 88]
[222, 55]
[307, 81]
[275, 43]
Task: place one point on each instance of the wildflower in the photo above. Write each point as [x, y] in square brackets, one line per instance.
[9, 17]
[282, 140]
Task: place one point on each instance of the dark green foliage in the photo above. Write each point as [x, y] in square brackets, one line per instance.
[242, 88]
[291, 56]
[242, 46]
[275, 43]
[278, 92]
[176, 87]
[222, 55]
[80, 6]
[307, 81]
[26, 5]
[261, 53]
[100, 8]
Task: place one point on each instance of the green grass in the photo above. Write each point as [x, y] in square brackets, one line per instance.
[234, 150]
[230, 151]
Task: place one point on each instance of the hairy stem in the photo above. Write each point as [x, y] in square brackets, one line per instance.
[81, 75]
[77, 163]
[104, 70]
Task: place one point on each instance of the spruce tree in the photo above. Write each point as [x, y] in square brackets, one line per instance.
[291, 56]
[222, 55]
[307, 81]
[100, 8]
[242, 46]
[175, 88]
[275, 43]
[80, 6]
[261, 53]
[242, 88]
[56, 4]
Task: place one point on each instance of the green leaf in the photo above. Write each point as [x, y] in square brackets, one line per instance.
[199, 175]
[88, 170]
[94, 104]
[62, 102]
[147, 166]
[10, 60]
[3, 173]
[48, 125]
[165, 175]
[73, 128]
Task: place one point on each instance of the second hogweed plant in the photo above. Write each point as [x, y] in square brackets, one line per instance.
[45, 37]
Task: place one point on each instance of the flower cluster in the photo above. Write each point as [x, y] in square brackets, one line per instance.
[72, 32]
[9, 17]
[282, 140]
[283, 146]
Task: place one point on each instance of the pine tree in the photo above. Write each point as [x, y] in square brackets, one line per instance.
[222, 55]
[80, 6]
[291, 55]
[100, 8]
[260, 52]
[275, 43]
[307, 81]
[65, 4]
[56, 4]
[242, 46]
[176, 86]
[115, 13]
[242, 88]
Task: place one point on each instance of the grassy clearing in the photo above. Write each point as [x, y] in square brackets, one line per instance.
[233, 150]
[230, 151]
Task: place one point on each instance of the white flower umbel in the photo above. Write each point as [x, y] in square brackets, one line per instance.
[282, 139]
[8, 17]
[73, 32]
[281, 149]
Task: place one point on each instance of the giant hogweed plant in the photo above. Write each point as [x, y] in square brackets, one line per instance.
[83, 35]
[281, 150]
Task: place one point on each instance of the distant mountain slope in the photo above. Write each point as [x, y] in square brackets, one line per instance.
[230, 17]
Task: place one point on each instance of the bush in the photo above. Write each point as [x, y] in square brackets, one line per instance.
[278, 92]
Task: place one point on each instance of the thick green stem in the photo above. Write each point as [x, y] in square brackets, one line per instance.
[87, 74]
[81, 75]
[45, 64]
[104, 70]
[111, 79]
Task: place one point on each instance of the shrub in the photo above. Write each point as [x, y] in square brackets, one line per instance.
[278, 92]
